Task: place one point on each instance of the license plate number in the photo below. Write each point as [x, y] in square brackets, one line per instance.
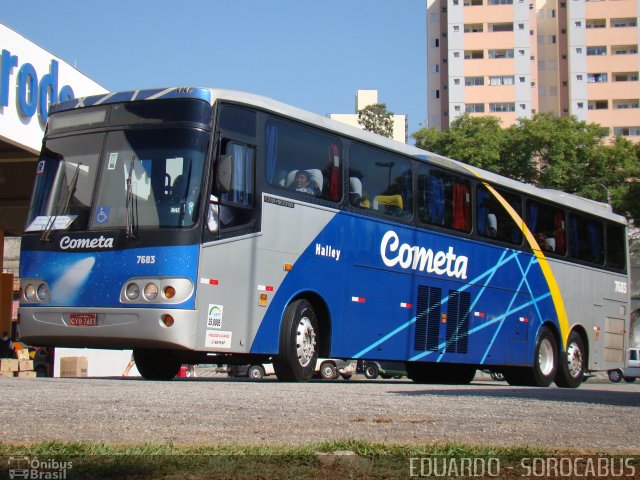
[83, 320]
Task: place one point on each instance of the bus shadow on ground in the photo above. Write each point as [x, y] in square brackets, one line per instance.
[595, 397]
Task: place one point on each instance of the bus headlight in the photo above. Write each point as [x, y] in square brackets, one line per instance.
[150, 291]
[132, 291]
[30, 292]
[146, 290]
[43, 292]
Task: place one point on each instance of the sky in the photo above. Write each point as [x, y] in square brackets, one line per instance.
[312, 54]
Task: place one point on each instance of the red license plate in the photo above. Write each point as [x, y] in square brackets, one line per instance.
[83, 320]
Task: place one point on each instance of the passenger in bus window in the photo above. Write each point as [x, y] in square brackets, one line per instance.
[304, 183]
[543, 242]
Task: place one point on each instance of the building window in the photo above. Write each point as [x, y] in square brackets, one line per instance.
[500, 2]
[456, 81]
[473, 28]
[503, 53]
[627, 131]
[596, 77]
[473, 81]
[578, 23]
[578, 77]
[502, 107]
[580, 105]
[596, 23]
[624, 49]
[624, 104]
[598, 105]
[436, 42]
[474, 108]
[501, 80]
[624, 22]
[625, 77]
[501, 27]
[456, 54]
[521, 27]
[552, 39]
[473, 54]
[456, 28]
[599, 50]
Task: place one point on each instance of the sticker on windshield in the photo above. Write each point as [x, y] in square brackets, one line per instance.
[40, 169]
[102, 214]
[113, 160]
[47, 222]
[214, 317]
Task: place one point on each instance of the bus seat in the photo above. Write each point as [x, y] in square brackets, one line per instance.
[355, 191]
[389, 204]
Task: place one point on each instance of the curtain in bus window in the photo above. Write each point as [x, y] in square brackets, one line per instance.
[482, 197]
[558, 224]
[461, 214]
[334, 173]
[241, 186]
[574, 240]
[434, 188]
[595, 242]
[272, 151]
[532, 216]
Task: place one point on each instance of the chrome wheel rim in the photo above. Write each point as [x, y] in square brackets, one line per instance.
[574, 360]
[545, 357]
[305, 341]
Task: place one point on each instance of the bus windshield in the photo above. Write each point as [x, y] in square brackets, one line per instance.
[138, 178]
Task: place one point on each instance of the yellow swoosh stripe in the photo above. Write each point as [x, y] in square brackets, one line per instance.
[558, 303]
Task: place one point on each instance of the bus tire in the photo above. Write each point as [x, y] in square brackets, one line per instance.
[328, 371]
[371, 371]
[296, 361]
[156, 364]
[255, 372]
[545, 361]
[572, 364]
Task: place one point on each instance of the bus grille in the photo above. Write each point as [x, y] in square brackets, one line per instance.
[458, 321]
[428, 318]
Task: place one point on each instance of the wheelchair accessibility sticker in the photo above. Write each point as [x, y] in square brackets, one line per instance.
[102, 214]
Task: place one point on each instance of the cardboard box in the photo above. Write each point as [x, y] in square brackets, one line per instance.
[74, 366]
[22, 354]
[8, 365]
[25, 365]
[30, 374]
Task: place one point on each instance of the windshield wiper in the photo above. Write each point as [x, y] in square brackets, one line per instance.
[131, 206]
[62, 207]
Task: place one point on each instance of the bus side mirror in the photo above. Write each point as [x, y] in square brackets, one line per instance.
[224, 173]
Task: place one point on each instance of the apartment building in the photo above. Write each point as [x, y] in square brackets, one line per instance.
[514, 58]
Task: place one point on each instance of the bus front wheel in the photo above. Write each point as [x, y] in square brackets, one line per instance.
[572, 364]
[296, 361]
[156, 364]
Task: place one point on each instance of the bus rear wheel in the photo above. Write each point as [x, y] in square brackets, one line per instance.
[572, 363]
[156, 364]
[298, 355]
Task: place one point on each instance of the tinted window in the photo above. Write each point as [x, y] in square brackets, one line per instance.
[303, 160]
[586, 239]
[616, 246]
[169, 110]
[492, 218]
[238, 120]
[444, 199]
[380, 181]
[547, 224]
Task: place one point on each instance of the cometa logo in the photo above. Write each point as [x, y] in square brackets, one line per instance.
[67, 243]
[420, 258]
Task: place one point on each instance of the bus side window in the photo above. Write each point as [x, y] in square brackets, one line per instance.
[387, 178]
[295, 151]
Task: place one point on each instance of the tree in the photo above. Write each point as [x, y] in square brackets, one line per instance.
[375, 118]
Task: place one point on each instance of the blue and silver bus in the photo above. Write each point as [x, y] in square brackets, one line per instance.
[211, 226]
